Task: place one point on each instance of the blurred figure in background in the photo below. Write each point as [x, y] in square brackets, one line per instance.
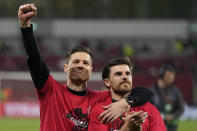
[167, 98]
[128, 50]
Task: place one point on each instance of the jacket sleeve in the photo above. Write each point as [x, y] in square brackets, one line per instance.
[140, 95]
[37, 66]
[180, 104]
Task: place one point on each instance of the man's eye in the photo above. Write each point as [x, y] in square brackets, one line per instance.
[119, 73]
[128, 73]
[86, 63]
[75, 62]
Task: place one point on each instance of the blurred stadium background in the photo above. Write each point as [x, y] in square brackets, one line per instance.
[150, 32]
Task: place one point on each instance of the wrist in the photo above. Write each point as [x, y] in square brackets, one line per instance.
[130, 100]
[124, 102]
[24, 24]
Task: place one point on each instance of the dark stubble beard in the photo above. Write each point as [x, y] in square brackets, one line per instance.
[79, 75]
[123, 91]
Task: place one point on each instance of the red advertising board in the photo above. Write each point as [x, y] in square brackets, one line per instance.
[19, 109]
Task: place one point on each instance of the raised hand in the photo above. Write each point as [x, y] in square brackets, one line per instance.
[113, 111]
[136, 118]
[25, 13]
[133, 121]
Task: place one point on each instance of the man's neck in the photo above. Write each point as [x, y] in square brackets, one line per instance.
[116, 96]
[76, 86]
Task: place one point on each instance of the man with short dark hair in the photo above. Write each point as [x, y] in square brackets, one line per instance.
[62, 106]
[117, 76]
[167, 98]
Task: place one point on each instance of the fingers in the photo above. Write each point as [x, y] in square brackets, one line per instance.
[109, 119]
[113, 111]
[25, 13]
[26, 8]
[114, 118]
[103, 114]
[108, 106]
[128, 111]
[109, 116]
[135, 114]
[23, 9]
[145, 115]
[34, 8]
[139, 117]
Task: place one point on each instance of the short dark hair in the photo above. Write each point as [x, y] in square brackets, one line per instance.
[114, 62]
[78, 49]
[166, 68]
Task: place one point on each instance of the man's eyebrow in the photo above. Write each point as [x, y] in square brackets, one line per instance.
[118, 72]
[86, 60]
[75, 60]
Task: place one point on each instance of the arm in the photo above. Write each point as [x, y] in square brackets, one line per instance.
[139, 96]
[132, 122]
[179, 105]
[38, 69]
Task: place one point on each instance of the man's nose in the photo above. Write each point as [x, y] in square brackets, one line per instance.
[124, 77]
[80, 65]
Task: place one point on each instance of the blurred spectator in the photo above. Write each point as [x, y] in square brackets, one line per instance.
[188, 47]
[128, 50]
[167, 98]
[179, 45]
[6, 94]
[184, 46]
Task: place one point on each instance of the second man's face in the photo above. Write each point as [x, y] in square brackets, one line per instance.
[120, 79]
[79, 67]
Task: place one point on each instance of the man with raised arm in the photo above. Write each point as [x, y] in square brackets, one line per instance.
[63, 106]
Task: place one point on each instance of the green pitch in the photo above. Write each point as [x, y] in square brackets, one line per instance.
[13, 124]
[187, 126]
[19, 124]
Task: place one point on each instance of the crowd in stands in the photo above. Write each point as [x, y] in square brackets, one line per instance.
[146, 58]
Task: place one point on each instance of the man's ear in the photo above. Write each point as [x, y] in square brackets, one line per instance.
[65, 68]
[107, 83]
